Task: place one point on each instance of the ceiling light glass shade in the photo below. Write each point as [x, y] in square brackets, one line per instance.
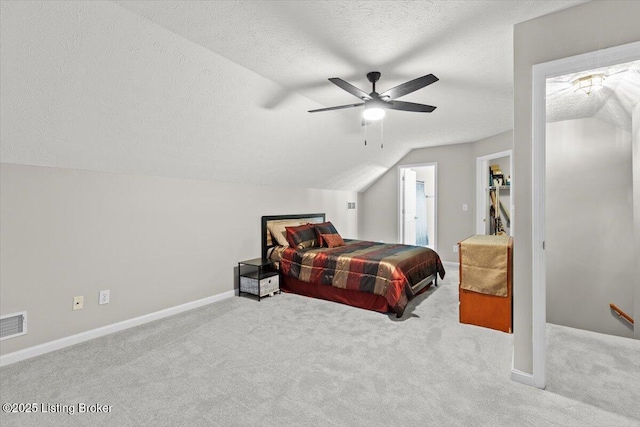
[589, 84]
[374, 113]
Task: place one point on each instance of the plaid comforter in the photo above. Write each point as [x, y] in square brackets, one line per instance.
[389, 270]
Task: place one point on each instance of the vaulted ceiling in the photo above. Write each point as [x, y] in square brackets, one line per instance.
[220, 90]
[613, 103]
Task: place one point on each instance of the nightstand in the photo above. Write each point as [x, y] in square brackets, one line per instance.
[256, 277]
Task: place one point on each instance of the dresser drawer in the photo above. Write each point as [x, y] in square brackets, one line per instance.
[268, 285]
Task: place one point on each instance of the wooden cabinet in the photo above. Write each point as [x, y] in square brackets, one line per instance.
[489, 311]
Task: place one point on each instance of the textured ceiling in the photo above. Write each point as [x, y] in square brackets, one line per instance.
[613, 103]
[219, 90]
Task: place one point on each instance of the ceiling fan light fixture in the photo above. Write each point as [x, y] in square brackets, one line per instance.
[375, 104]
[589, 84]
[373, 113]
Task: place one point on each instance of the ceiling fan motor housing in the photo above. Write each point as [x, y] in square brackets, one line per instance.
[373, 76]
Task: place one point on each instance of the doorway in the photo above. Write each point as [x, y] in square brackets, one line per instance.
[542, 72]
[417, 205]
[494, 186]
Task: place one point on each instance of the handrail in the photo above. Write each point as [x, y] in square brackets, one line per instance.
[621, 313]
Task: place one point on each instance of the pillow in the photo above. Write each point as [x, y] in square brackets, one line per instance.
[278, 231]
[302, 236]
[324, 228]
[332, 240]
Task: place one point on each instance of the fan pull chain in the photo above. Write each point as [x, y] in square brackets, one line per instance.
[381, 133]
[365, 134]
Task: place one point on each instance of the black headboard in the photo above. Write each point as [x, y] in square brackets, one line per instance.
[314, 217]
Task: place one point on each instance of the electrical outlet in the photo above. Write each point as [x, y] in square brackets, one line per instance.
[104, 297]
[465, 207]
[78, 303]
[455, 248]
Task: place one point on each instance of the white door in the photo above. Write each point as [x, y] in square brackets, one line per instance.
[409, 207]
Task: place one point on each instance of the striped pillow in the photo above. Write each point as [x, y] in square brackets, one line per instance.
[302, 236]
[324, 228]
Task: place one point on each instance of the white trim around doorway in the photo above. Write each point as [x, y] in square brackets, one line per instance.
[541, 72]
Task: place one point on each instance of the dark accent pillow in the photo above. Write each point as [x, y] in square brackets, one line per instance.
[302, 236]
[324, 228]
[332, 240]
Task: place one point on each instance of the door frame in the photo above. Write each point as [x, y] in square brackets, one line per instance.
[482, 183]
[435, 197]
[541, 72]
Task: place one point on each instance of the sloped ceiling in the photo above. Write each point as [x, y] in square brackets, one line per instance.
[219, 90]
[612, 103]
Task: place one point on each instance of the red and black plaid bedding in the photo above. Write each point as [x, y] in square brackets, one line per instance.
[389, 270]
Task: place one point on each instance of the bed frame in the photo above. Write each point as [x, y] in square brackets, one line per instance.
[354, 298]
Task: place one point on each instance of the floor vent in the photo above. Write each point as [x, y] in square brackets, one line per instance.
[13, 325]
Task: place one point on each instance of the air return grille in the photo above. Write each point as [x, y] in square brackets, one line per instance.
[13, 325]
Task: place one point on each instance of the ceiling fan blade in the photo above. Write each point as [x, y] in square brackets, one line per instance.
[410, 106]
[350, 88]
[410, 86]
[340, 107]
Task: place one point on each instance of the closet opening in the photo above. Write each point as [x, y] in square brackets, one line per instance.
[494, 187]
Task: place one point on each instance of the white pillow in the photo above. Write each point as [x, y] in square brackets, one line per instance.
[278, 231]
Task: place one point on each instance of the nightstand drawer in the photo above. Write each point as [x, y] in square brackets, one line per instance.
[268, 285]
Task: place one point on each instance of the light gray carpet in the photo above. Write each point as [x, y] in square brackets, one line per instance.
[294, 361]
[598, 369]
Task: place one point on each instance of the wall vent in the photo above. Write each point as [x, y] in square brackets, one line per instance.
[13, 325]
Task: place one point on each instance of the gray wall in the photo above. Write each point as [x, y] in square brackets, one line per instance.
[154, 242]
[456, 186]
[580, 29]
[590, 258]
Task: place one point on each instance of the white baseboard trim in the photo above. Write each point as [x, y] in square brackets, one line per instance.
[50, 346]
[451, 264]
[522, 377]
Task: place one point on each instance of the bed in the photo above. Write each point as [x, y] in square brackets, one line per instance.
[370, 275]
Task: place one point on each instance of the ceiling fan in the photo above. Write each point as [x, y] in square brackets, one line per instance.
[376, 103]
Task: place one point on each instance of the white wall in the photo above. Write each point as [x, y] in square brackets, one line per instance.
[590, 258]
[154, 242]
[580, 29]
[456, 186]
